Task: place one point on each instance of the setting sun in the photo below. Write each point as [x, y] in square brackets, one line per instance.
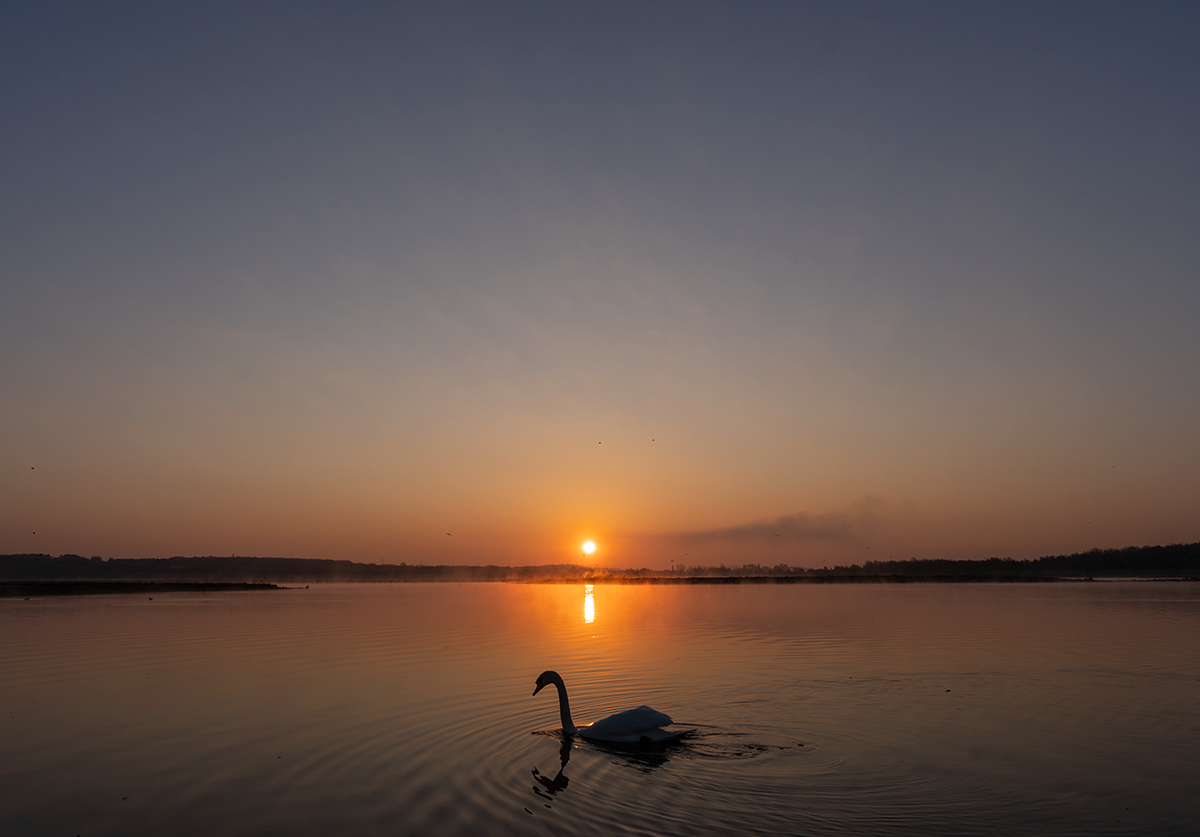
[588, 547]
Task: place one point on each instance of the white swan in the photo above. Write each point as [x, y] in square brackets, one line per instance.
[630, 727]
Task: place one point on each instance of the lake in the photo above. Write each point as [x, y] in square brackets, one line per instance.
[397, 709]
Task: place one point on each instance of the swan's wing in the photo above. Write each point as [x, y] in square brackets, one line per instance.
[656, 735]
[630, 725]
[650, 717]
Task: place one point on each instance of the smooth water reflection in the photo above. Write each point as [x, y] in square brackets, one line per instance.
[405, 709]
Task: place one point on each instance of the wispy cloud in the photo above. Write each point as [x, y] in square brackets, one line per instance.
[860, 519]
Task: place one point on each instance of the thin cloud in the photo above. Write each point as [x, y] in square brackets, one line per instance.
[834, 527]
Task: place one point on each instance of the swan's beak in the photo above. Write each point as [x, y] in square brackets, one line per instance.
[540, 686]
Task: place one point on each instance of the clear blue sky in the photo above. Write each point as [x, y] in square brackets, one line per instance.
[474, 282]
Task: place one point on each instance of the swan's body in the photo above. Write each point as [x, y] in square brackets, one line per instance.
[629, 727]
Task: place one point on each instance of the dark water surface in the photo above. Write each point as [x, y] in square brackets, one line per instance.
[406, 709]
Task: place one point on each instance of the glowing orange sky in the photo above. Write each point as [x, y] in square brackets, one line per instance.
[795, 286]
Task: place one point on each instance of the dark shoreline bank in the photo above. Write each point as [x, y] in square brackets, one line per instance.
[852, 579]
[74, 574]
[25, 589]
[804, 579]
[29, 589]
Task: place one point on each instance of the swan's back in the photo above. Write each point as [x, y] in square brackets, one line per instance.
[630, 725]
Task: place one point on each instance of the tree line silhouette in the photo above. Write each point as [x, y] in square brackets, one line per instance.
[1170, 561]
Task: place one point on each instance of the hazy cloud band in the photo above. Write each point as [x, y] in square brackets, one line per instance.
[833, 527]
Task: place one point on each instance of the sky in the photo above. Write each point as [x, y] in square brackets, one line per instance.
[802, 283]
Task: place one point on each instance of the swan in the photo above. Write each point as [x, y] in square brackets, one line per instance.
[629, 727]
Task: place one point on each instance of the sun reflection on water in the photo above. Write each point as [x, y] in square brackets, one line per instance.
[589, 604]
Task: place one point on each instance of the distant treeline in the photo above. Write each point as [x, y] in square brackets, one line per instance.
[1173, 561]
[252, 569]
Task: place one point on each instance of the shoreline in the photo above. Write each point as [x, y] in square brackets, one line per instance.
[858, 579]
[25, 589]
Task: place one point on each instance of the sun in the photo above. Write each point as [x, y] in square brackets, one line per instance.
[588, 547]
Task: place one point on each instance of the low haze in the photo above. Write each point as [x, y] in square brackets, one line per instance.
[478, 282]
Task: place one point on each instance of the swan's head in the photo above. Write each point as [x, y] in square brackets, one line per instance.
[543, 680]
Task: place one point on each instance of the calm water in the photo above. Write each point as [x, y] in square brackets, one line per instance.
[406, 709]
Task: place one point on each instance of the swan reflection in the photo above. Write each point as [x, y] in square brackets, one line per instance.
[644, 757]
[589, 604]
[551, 787]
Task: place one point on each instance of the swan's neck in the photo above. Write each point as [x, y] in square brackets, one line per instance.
[564, 708]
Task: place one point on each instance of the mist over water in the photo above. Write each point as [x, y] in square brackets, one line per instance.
[406, 709]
